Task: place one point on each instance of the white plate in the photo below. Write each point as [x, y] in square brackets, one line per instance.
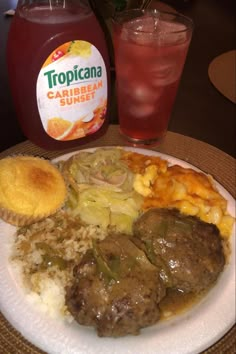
[191, 332]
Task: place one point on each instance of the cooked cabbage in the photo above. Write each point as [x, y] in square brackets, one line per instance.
[105, 207]
[101, 189]
[102, 167]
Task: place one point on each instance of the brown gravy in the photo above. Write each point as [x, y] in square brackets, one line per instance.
[176, 302]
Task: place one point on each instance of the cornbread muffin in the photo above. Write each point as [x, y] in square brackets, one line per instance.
[31, 189]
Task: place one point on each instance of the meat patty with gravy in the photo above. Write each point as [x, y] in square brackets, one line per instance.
[116, 289]
[188, 251]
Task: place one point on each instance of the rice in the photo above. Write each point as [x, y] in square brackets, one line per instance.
[45, 253]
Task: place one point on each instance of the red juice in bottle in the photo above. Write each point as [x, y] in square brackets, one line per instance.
[58, 67]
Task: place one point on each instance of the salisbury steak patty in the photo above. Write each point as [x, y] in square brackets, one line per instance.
[116, 289]
[188, 251]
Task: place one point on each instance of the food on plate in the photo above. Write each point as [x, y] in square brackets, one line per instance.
[134, 233]
[44, 254]
[116, 288]
[192, 192]
[119, 284]
[31, 189]
[188, 251]
[101, 189]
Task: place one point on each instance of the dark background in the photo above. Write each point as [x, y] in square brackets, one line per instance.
[200, 110]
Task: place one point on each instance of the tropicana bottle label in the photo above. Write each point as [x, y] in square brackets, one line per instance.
[72, 91]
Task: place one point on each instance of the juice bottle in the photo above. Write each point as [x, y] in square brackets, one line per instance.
[58, 66]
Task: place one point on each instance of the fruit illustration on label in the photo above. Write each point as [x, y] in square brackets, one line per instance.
[80, 48]
[58, 128]
[61, 129]
[72, 91]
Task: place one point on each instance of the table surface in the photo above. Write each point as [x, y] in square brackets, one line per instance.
[200, 110]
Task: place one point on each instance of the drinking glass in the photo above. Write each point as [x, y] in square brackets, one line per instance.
[150, 49]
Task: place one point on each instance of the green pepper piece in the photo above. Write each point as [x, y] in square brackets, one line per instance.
[50, 261]
[114, 264]
[45, 247]
[165, 274]
[162, 228]
[150, 251]
[102, 264]
[183, 225]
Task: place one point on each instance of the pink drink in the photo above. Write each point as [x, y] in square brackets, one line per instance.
[149, 55]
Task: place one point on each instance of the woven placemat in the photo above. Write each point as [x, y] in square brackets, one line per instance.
[206, 157]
